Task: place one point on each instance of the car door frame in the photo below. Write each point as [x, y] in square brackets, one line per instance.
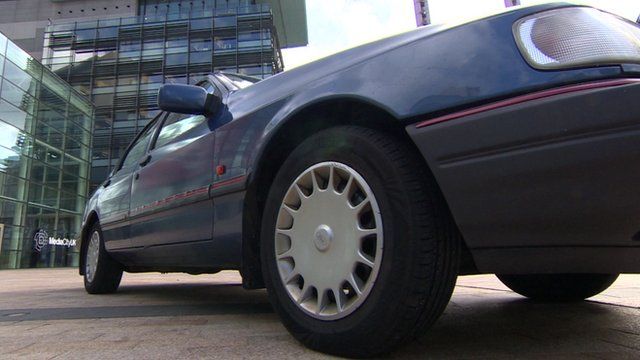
[147, 218]
[116, 228]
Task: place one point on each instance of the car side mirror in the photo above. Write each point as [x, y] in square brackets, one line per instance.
[187, 99]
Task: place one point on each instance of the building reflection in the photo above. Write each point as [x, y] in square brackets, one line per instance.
[45, 140]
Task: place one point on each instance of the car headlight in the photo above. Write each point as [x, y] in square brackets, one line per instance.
[577, 36]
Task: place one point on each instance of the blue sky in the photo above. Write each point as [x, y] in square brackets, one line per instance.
[336, 25]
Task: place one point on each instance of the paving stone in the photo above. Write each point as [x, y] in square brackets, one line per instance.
[45, 313]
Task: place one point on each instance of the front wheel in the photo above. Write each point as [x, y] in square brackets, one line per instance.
[358, 251]
[102, 274]
[558, 287]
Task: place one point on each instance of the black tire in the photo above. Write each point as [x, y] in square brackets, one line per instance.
[419, 266]
[558, 287]
[108, 272]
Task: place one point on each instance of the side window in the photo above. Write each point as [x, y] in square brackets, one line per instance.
[176, 125]
[138, 149]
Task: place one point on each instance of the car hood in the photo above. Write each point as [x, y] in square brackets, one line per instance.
[419, 72]
[282, 84]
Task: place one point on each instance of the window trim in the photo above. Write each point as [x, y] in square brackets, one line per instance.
[230, 84]
[218, 85]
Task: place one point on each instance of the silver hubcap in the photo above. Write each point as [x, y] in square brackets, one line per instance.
[93, 252]
[328, 240]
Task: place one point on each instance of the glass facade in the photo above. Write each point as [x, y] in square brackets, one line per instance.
[153, 7]
[122, 62]
[45, 142]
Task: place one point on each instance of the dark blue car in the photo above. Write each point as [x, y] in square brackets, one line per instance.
[358, 187]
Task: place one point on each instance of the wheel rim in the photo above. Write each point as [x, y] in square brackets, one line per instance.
[328, 240]
[93, 251]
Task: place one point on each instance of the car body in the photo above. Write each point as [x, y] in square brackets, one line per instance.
[538, 167]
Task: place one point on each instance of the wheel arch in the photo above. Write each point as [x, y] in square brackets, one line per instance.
[92, 218]
[290, 133]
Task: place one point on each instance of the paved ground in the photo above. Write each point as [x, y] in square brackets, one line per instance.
[46, 314]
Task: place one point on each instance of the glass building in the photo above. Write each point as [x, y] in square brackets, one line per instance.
[45, 143]
[121, 62]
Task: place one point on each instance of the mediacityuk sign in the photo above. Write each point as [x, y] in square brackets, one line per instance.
[41, 239]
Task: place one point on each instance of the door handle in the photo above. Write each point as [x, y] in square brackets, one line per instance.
[107, 183]
[145, 160]
[136, 176]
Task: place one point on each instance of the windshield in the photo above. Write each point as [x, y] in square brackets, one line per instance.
[241, 81]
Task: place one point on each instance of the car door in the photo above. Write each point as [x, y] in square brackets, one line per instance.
[170, 201]
[116, 195]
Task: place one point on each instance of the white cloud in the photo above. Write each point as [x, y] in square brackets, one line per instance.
[629, 9]
[336, 25]
[447, 11]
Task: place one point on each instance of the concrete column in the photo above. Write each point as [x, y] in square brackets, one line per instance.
[20, 213]
[421, 8]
